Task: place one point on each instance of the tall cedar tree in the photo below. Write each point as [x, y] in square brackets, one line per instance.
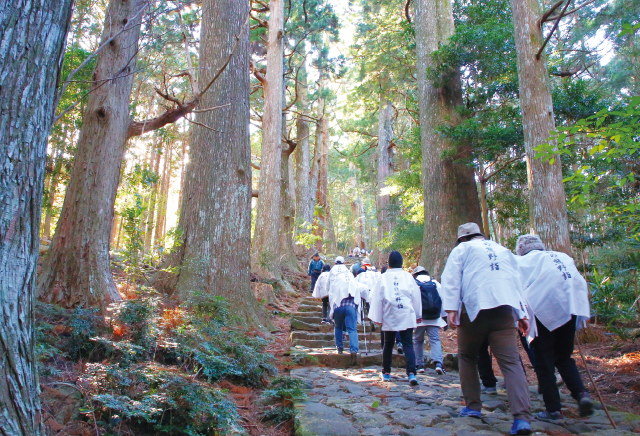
[449, 188]
[32, 39]
[76, 270]
[547, 201]
[265, 249]
[215, 220]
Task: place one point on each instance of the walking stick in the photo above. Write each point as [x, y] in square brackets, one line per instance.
[593, 383]
[364, 328]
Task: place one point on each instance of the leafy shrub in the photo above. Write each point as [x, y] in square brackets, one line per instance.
[283, 391]
[151, 397]
[84, 326]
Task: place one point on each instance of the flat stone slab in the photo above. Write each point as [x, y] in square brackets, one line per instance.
[316, 418]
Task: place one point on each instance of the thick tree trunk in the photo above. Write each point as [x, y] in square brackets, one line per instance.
[385, 132]
[52, 187]
[265, 251]
[32, 37]
[321, 190]
[148, 235]
[547, 201]
[287, 256]
[450, 193]
[304, 209]
[183, 160]
[315, 165]
[215, 219]
[76, 270]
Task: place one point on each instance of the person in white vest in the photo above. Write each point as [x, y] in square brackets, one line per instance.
[559, 298]
[482, 295]
[368, 276]
[344, 301]
[396, 305]
[320, 291]
[432, 320]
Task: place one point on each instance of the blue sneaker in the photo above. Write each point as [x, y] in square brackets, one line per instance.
[520, 426]
[413, 381]
[470, 413]
[386, 377]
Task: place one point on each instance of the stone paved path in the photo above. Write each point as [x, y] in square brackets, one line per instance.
[346, 402]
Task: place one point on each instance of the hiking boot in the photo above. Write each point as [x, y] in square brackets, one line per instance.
[413, 381]
[400, 350]
[420, 369]
[550, 416]
[385, 377]
[520, 426]
[490, 391]
[466, 412]
[585, 405]
[340, 350]
[439, 369]
[354, 359]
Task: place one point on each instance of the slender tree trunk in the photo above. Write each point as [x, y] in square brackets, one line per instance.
[76, 270]
[215, 219]
[32, 38]
[265, 251]
[304, 210]
[330, 235]
[385, 132]
[547, 201]
[450, 193]
[163, 197]
[317, 153]
[483, 201]
[287, 256]
[321, 191]
[51, 194]
[148, 235]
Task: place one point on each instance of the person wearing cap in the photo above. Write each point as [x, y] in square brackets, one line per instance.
[315, 269]
[320, 291]
[396, 304]
[344, 301]
[558, 295]
[429, 326]
[482, 295]
[368, 276]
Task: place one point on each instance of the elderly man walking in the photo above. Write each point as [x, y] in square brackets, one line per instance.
[558, 296]
[481, 294]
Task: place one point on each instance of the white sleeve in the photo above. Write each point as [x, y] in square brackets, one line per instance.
[452, 281]
[375, 309]
[416, 297]
[443, 312]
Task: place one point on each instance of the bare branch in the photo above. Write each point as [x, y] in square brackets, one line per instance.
[576, 9]
[555, 26]
[197, 111]
[406, 11]
[548, 13]
[202, 125]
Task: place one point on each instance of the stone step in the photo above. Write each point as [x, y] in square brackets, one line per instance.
[372, 345]
[312, 336]
[303, 314]
[325, 328]
[309, 308]
[311, 302]
[331, 358]
[309, 319]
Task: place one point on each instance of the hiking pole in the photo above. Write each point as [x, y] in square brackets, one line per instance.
[364, 328]
[593, 383]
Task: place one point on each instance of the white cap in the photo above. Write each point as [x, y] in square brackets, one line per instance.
[339, 259]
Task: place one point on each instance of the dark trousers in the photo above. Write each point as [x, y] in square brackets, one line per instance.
[554, 350]
[325, 307]
[406, 338]
[485, 364]
[314, 279]
[396, 338]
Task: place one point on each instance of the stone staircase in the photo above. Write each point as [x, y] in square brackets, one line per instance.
[308, 335]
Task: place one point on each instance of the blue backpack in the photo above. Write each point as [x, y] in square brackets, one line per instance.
[431, 301]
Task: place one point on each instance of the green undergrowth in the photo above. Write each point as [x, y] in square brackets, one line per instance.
[149, 368]
[282, 393]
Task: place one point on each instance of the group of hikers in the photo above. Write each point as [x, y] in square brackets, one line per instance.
[488, 294]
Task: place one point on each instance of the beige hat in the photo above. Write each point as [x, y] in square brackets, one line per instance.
[418, 269]
[527, 243]
[366, 261]
[469, 229]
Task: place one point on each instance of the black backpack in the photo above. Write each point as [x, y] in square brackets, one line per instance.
[431, 301]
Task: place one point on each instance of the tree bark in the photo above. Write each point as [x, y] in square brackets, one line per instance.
[51, 194]
[215, 219]
[76, 270]
[265, 250]
[547, 201]
[304, 209]
[385, 132]
[32, 39]
[323, 173]
[449, 189]
[315, 165]
[163, 198]
[148, 235]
